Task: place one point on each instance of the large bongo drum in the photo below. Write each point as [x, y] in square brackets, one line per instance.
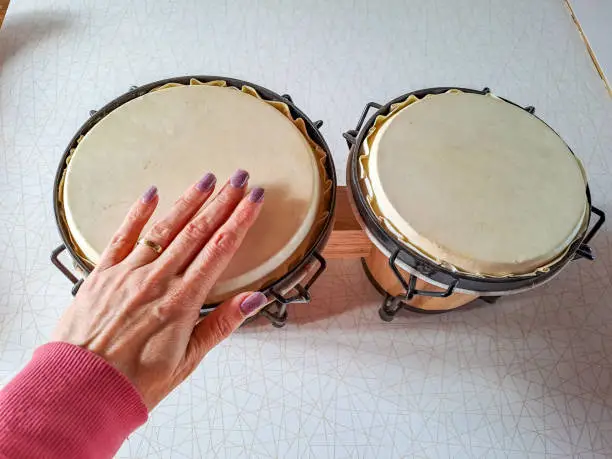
[464, 195]
[170, 132]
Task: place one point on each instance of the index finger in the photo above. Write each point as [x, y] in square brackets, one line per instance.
[212, 260]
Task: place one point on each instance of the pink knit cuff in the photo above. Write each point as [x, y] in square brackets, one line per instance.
[68, 402]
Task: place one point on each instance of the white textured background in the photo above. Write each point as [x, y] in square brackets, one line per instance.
[527, 377]
[595, 17]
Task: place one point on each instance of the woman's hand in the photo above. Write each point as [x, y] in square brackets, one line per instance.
[139, 310]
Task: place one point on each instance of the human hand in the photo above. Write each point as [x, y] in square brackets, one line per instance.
[139, 310]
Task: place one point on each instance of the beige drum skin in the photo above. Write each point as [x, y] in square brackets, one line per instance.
[169, 134]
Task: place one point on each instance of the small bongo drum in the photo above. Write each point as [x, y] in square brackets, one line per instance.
[464, 195]
[170, 132]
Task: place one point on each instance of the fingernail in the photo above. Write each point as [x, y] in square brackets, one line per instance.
[149, 195]
[256, 194]
[253, 303]
[239, 178]
[206, 183]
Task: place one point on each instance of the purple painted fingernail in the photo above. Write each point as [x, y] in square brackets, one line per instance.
[239, 179]
[253, 303]
[206, 183]
[149, 195]
[256, 194]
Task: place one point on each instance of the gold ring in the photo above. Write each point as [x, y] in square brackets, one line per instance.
[152, 245]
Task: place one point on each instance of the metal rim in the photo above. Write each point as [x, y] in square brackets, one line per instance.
[420, 264]
[266, 94]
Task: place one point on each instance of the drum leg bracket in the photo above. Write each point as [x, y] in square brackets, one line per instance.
[390, 307]
[76, 282]
[351, 136]
[276, 313]
[584, 250]
[410, 285]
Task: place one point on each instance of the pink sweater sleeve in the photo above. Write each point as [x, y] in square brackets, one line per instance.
[67, 403]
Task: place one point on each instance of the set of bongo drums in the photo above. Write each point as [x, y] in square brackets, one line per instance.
[452, 194]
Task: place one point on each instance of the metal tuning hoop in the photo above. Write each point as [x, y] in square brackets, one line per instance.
[351, 135]
[584, 250]
[410, 286]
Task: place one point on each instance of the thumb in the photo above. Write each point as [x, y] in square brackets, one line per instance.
[221, 323]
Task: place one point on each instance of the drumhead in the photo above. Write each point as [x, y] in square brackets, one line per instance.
[170, 137]
[474, 183]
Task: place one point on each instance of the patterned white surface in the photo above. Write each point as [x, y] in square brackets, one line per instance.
[528, 377]
[595, 17]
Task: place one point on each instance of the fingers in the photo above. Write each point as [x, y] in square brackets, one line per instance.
[212, 260]
[165, 230]
[184, 248]
[220, 323]
[125, 238]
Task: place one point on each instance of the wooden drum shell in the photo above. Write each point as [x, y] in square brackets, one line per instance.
[349, 240]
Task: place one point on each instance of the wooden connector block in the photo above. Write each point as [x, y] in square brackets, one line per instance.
[347, 240]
